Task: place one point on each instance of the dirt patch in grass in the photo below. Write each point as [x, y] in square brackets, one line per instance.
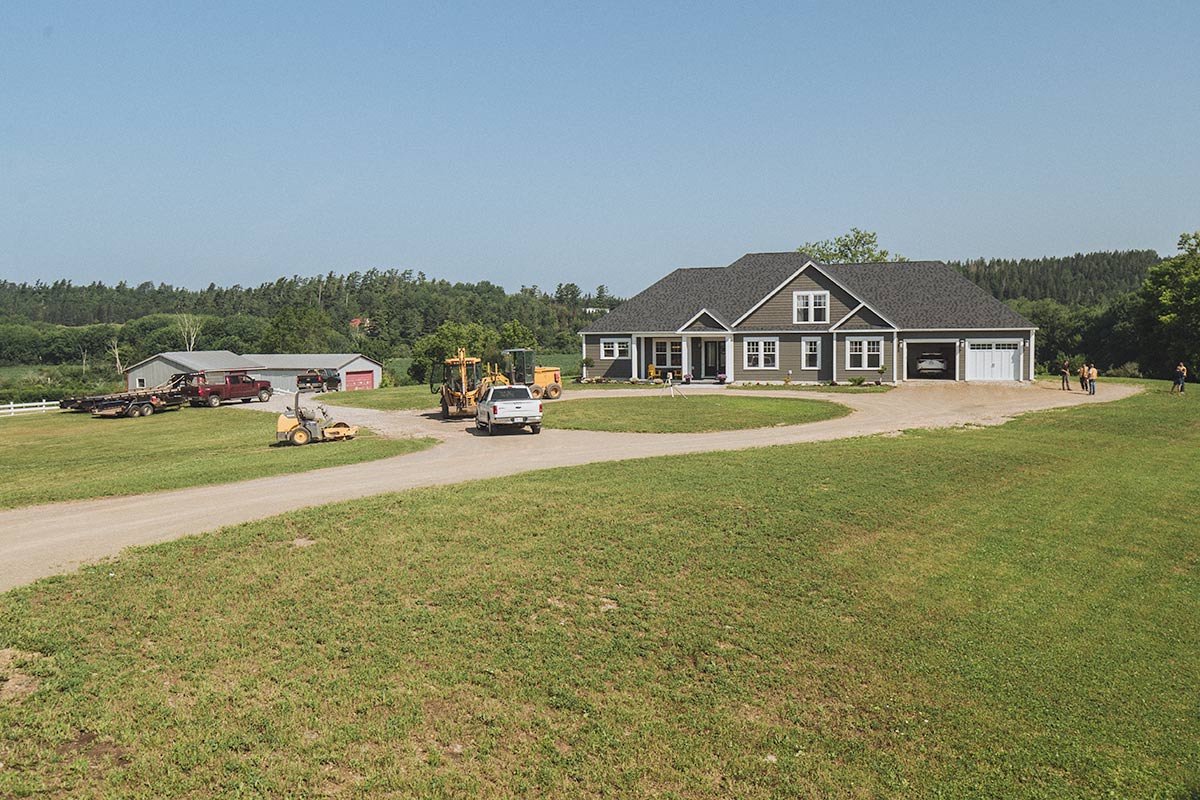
[16, 685]
[88, 745]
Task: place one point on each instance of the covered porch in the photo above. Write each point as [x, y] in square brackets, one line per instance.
[702, 356]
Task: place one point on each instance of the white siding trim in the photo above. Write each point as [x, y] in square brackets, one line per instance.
[700, 314]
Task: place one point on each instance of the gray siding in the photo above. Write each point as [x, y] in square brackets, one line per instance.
[790, 358]
[870, 375]
[159, 370]
[618, 369]
[776, 314]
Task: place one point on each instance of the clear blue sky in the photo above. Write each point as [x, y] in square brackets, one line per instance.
[609, 143]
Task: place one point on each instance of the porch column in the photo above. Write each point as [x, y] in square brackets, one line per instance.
[1031, 334]
[687, 356]
[895, 352]
[583, 353]
[833, 379]
[729, 359]
[635, 353]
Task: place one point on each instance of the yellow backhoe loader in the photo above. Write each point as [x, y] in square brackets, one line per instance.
[463, 381]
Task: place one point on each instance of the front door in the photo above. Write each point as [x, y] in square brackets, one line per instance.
[714, 359]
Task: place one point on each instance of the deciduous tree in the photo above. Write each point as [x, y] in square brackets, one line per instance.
[1169, 314]
[855, 247]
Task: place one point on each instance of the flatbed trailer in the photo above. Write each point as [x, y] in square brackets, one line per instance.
[134, 403]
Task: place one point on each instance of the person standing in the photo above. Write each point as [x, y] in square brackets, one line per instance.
[1083, 376]
[1092, 374]
[1180, 378]
[1066, 375]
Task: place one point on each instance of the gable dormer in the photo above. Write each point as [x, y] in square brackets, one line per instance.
[809, 301]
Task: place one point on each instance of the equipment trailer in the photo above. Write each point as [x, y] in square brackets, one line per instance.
[136, 403]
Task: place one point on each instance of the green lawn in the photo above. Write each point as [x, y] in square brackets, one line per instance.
[980, 613]
[71, 456]
[688, 414]
[396, 398]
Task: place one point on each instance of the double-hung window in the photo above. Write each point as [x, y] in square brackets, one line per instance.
[810, 307]
[668, 354]
[761, 353]
[864, 353]
[614, 348]
[810, 354]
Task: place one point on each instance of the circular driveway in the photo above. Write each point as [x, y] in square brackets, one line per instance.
[38, 541]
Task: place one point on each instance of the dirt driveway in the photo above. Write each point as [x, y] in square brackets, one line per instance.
[38, 541]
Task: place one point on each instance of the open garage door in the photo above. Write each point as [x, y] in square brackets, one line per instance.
[360, 380]
[993, 361]
[933, 360]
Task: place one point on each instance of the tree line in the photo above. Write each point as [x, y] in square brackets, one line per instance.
[1129, 312]
[380, 313]
[1127, 309]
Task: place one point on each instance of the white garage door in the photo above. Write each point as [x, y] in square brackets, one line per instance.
[993, 361]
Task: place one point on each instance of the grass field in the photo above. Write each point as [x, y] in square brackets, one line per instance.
[693, 414]
[956, 614]
[395, 398]
[71, 456]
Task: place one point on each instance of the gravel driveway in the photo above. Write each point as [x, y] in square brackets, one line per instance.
[38, 541]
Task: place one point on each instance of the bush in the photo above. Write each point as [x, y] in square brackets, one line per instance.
[57, 382]
[857, 380]
[1129, 369]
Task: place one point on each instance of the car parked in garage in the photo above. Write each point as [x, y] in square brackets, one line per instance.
[932, 364]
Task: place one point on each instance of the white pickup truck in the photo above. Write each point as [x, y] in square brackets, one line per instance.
[508, 406]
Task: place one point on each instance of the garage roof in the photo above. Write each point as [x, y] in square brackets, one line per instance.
[303, 361]
[204, 360]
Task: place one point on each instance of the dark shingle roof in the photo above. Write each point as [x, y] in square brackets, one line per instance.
[911, 294]
[727, 293]
[925, 294]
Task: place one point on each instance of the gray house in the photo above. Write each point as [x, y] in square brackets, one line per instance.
[774, 316]
[357, 371]
[215, 364]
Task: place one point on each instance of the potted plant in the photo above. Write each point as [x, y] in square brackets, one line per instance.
[687, 377]
[721, 377]
[882, 369]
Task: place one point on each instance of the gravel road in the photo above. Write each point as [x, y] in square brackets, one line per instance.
[38, 541]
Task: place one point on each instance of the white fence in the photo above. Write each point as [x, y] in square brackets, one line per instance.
[12, 409]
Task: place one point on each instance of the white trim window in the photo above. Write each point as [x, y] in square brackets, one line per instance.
[810, 308]
[810, 353]
[760, 354]
[864, 353]
[668, 354]
[140, 383]
[613, 349]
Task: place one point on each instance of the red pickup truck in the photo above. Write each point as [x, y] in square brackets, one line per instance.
[236, 387]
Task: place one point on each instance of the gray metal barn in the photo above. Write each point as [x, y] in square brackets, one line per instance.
[215, 364]
[357, 371]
